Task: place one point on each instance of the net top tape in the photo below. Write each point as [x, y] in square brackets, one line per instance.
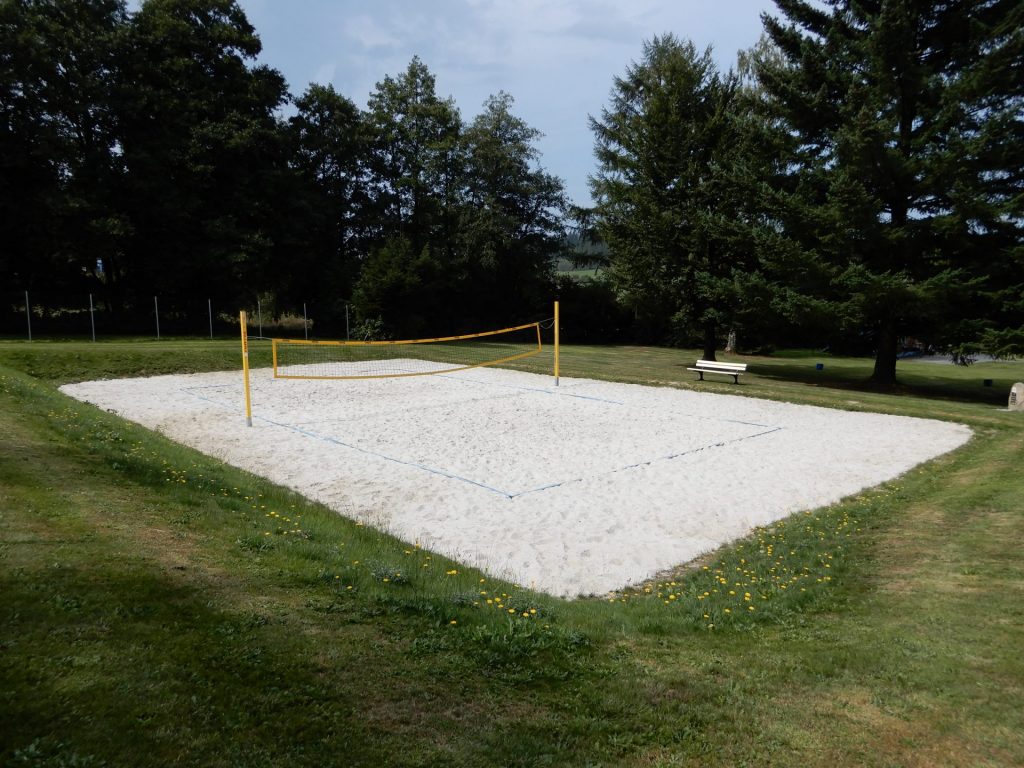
[306, 342]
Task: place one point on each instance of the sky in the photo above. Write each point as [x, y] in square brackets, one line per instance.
[556, 58]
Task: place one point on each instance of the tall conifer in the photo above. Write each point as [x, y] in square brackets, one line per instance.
[905, 120]
[672, 194]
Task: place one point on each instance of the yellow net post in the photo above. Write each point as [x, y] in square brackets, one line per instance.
[556, 343]
[242, 321]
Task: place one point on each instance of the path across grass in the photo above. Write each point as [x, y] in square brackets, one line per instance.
[160, 608]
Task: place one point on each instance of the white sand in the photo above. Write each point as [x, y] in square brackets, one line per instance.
[578, 489]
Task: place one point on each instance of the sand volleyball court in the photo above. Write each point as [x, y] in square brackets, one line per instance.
[577, 489]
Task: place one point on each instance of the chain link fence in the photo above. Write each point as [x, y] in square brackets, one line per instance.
[42, 315]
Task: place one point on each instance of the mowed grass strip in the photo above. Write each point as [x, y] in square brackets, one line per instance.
[149, 614]
[155, 611]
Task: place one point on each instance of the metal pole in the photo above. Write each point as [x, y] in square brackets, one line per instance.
[156, 311]
[243, 323]
[259, 314]
[28, 317]
[209, 310]
[305, 322]
[347, 337]
[556, 342]
[92, 317]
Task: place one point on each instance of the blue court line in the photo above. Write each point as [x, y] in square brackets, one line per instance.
[450, 476]
[334, 441]
[744, 423]
[647, 462]
[464, 380]
[432, 470]
[556, 392]
[208, 386]
[533, 389]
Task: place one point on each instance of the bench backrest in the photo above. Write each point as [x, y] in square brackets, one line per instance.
[712, 364]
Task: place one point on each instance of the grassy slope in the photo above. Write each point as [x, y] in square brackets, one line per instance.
[147, 617]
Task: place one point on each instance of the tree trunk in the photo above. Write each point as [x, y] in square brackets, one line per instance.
[710, 341]
[884, 374]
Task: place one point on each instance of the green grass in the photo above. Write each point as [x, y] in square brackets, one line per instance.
[158, 607]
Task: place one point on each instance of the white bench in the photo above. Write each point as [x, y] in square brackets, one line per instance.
[728, 369]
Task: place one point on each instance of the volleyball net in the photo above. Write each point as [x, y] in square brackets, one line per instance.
[303, 359]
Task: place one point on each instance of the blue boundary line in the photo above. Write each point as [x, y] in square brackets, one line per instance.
[432, 470]
[648, 462]
[484, 486]
[334, 441]
[464, 380]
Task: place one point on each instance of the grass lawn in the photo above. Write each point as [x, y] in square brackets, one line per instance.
[158, 607]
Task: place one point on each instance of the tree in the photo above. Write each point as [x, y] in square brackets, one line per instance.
[905, 120]
[668, 202]
[415, 170]
[323, 239]
[414, 159]
[59, 164]
[204, 152]
[511, 223]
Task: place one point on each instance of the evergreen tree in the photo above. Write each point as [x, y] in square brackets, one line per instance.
[669, 201]
[511, 224]
[905, 120]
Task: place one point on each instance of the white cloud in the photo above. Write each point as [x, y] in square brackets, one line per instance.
[370, 33]
[557, 59]
[325, 74]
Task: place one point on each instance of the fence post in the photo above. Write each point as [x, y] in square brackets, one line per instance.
[28, 317]
[156, 311]
[305, 322]
[347, 337]
[259, 315]
[92, 318]
[209, 310]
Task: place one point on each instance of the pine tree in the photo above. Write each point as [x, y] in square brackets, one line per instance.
[905, 161]
[670, 201]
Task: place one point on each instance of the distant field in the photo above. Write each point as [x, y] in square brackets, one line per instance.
[162, 608]
[581, 274]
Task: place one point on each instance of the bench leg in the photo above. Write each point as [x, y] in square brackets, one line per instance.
[735, 378]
